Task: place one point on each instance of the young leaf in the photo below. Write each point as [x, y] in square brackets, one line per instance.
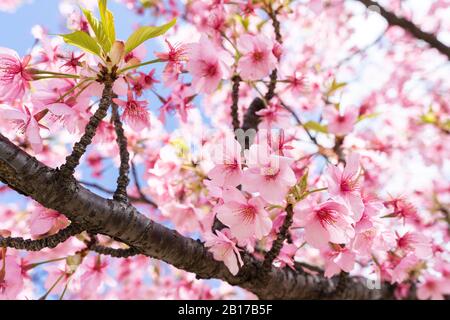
[107, 20]
[144, 33]
[102, 4]
[335, 86]
[99, 31]
[368, 116]
[108, 23]
[83, 41]
[315, 126]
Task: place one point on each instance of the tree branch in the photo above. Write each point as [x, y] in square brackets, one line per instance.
[37, 245]
[278, 243]
[124, 223]
[236, 80]
[79, 149]
[409, 26]
[122, 180]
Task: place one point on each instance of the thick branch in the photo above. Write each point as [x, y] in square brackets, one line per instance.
[409, 26]
[124, 223]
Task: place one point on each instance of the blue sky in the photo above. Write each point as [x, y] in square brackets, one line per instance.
[15, 28]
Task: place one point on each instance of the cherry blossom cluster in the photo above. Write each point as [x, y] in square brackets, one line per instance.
[348, 160]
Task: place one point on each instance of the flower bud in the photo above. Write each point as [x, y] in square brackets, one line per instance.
[117, 52]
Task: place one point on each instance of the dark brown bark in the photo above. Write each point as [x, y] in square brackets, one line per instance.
[410, 27]
[281, 237]
[79, 149]
[122, 142]
[37, 245]
[124, 223]
[234, 106]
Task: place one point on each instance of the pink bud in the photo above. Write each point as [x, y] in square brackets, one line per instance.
[117, 52]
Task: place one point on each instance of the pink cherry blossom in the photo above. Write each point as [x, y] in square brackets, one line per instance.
[25, 123]
[345, 184]
[11, 280]
[338, 259]
[228, 168]
[174, 58]
[245, 218]
[325, 222]
[135, 113]
[415, 242]
[268, 173]
[402, 270]
[257, 59]
[224, 249]
[207, 64]
[274, 116]
[338, 123]
[286, 256]
[45, 221]
[14, 76]
[433, 288]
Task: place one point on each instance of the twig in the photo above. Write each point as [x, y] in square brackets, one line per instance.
[234, 107]
[122, 182]
[408, 26]
[36, 245]
[278, 243]
[138, 186]
[108, 191]
[79, 149]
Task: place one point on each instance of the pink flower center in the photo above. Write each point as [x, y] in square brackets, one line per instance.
[9, 69]
[348, 185]
[248, 213]
[341, 119]
[326, 216]
[431, 285]
[257, 56]
[210, 70]
[232, 166]
[269, 172]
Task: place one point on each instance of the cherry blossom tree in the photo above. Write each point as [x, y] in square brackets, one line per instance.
[272, 145]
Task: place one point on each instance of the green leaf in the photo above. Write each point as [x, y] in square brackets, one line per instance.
[102, 4]
[144, 33]
[107, 20]
[303, 184]
[83, 41]
[368, 116]
[430, 117]
[99, 31]
[315, 126]
[335, 86]
[108, 23]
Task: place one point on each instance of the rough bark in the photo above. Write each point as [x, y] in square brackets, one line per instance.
[123, 222]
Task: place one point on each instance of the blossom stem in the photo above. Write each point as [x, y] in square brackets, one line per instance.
[139, 65]
[37, 264]
[44, 297]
